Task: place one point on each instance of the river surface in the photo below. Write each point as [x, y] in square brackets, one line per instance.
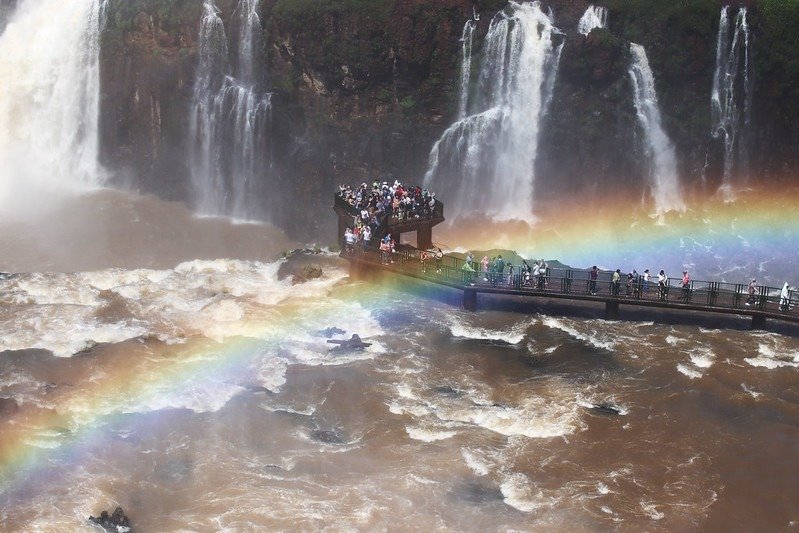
[204, 396]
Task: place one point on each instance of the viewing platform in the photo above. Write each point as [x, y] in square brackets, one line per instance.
[557, 283]
[397, 223]
[574, 284]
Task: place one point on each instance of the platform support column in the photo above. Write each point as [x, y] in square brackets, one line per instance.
[611, 310]
[758, 321]
[470, 299]
[424, 238]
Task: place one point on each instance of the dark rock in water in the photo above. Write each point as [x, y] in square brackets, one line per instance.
[606, 409]
[447, 390]
[118, 522]
[354, 343]
[326, 436]
[306, 274]
[8, 407]
[476, 493]
[330, 332]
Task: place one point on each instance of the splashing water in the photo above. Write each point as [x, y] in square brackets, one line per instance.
[230, 119]
[49, 104]
[663, 180]
[487, 155]
[594, 17]
[733, 48]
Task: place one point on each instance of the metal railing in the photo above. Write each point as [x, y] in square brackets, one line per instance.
[711, 295]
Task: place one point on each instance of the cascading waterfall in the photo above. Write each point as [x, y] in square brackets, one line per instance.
[663, 179]
[50, 98]
[229, 126]
[730, 122]
[485, 161]
[594, 17]
[467, 41]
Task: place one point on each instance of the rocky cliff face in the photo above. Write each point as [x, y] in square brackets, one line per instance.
[362, 88]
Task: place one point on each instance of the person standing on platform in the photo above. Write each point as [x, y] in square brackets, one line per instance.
[615, 282]
[785, 298]
[752, 292]
[593, 276]
[686, 286]
[662, 284]
[484, 264]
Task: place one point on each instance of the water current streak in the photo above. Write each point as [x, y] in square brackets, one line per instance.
[663, 179]
[231, 118]
[731, 99]
[487, 158]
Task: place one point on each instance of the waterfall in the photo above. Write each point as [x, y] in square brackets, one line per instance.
[230, 120]
[467, 40]
[663, 180]
[50, 98]
[594, 17]
[731, 116]
[485, 161]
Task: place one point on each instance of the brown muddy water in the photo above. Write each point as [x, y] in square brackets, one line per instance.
[203, 396]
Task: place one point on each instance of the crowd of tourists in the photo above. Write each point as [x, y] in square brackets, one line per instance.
[373, 206]
[496, 271]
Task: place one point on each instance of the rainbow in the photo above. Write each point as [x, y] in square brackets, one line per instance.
[757, 235]
[759, 222]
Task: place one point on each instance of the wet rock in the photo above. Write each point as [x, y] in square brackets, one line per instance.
[117, 522]
[606, 409]
[306, 274]
[446, 390]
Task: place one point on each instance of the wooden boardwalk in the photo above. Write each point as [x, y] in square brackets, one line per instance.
[574, 285]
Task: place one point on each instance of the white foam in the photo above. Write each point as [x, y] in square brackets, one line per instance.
[693, 374]
[477, 464]
[520, 493]
[702, 357]
[593, 338]
[753, 393]
[428, 435]
[650, 510]
[534, 418]
[513, 335]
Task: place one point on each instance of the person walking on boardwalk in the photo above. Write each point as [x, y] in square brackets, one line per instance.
[593, 276]
[439, 258]
[663, 290]
[785, 298]
[615, 282]
[510, 273]
[752, 292]
[646, 280]
[630, 281]
[686, 286]
[484, 264]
